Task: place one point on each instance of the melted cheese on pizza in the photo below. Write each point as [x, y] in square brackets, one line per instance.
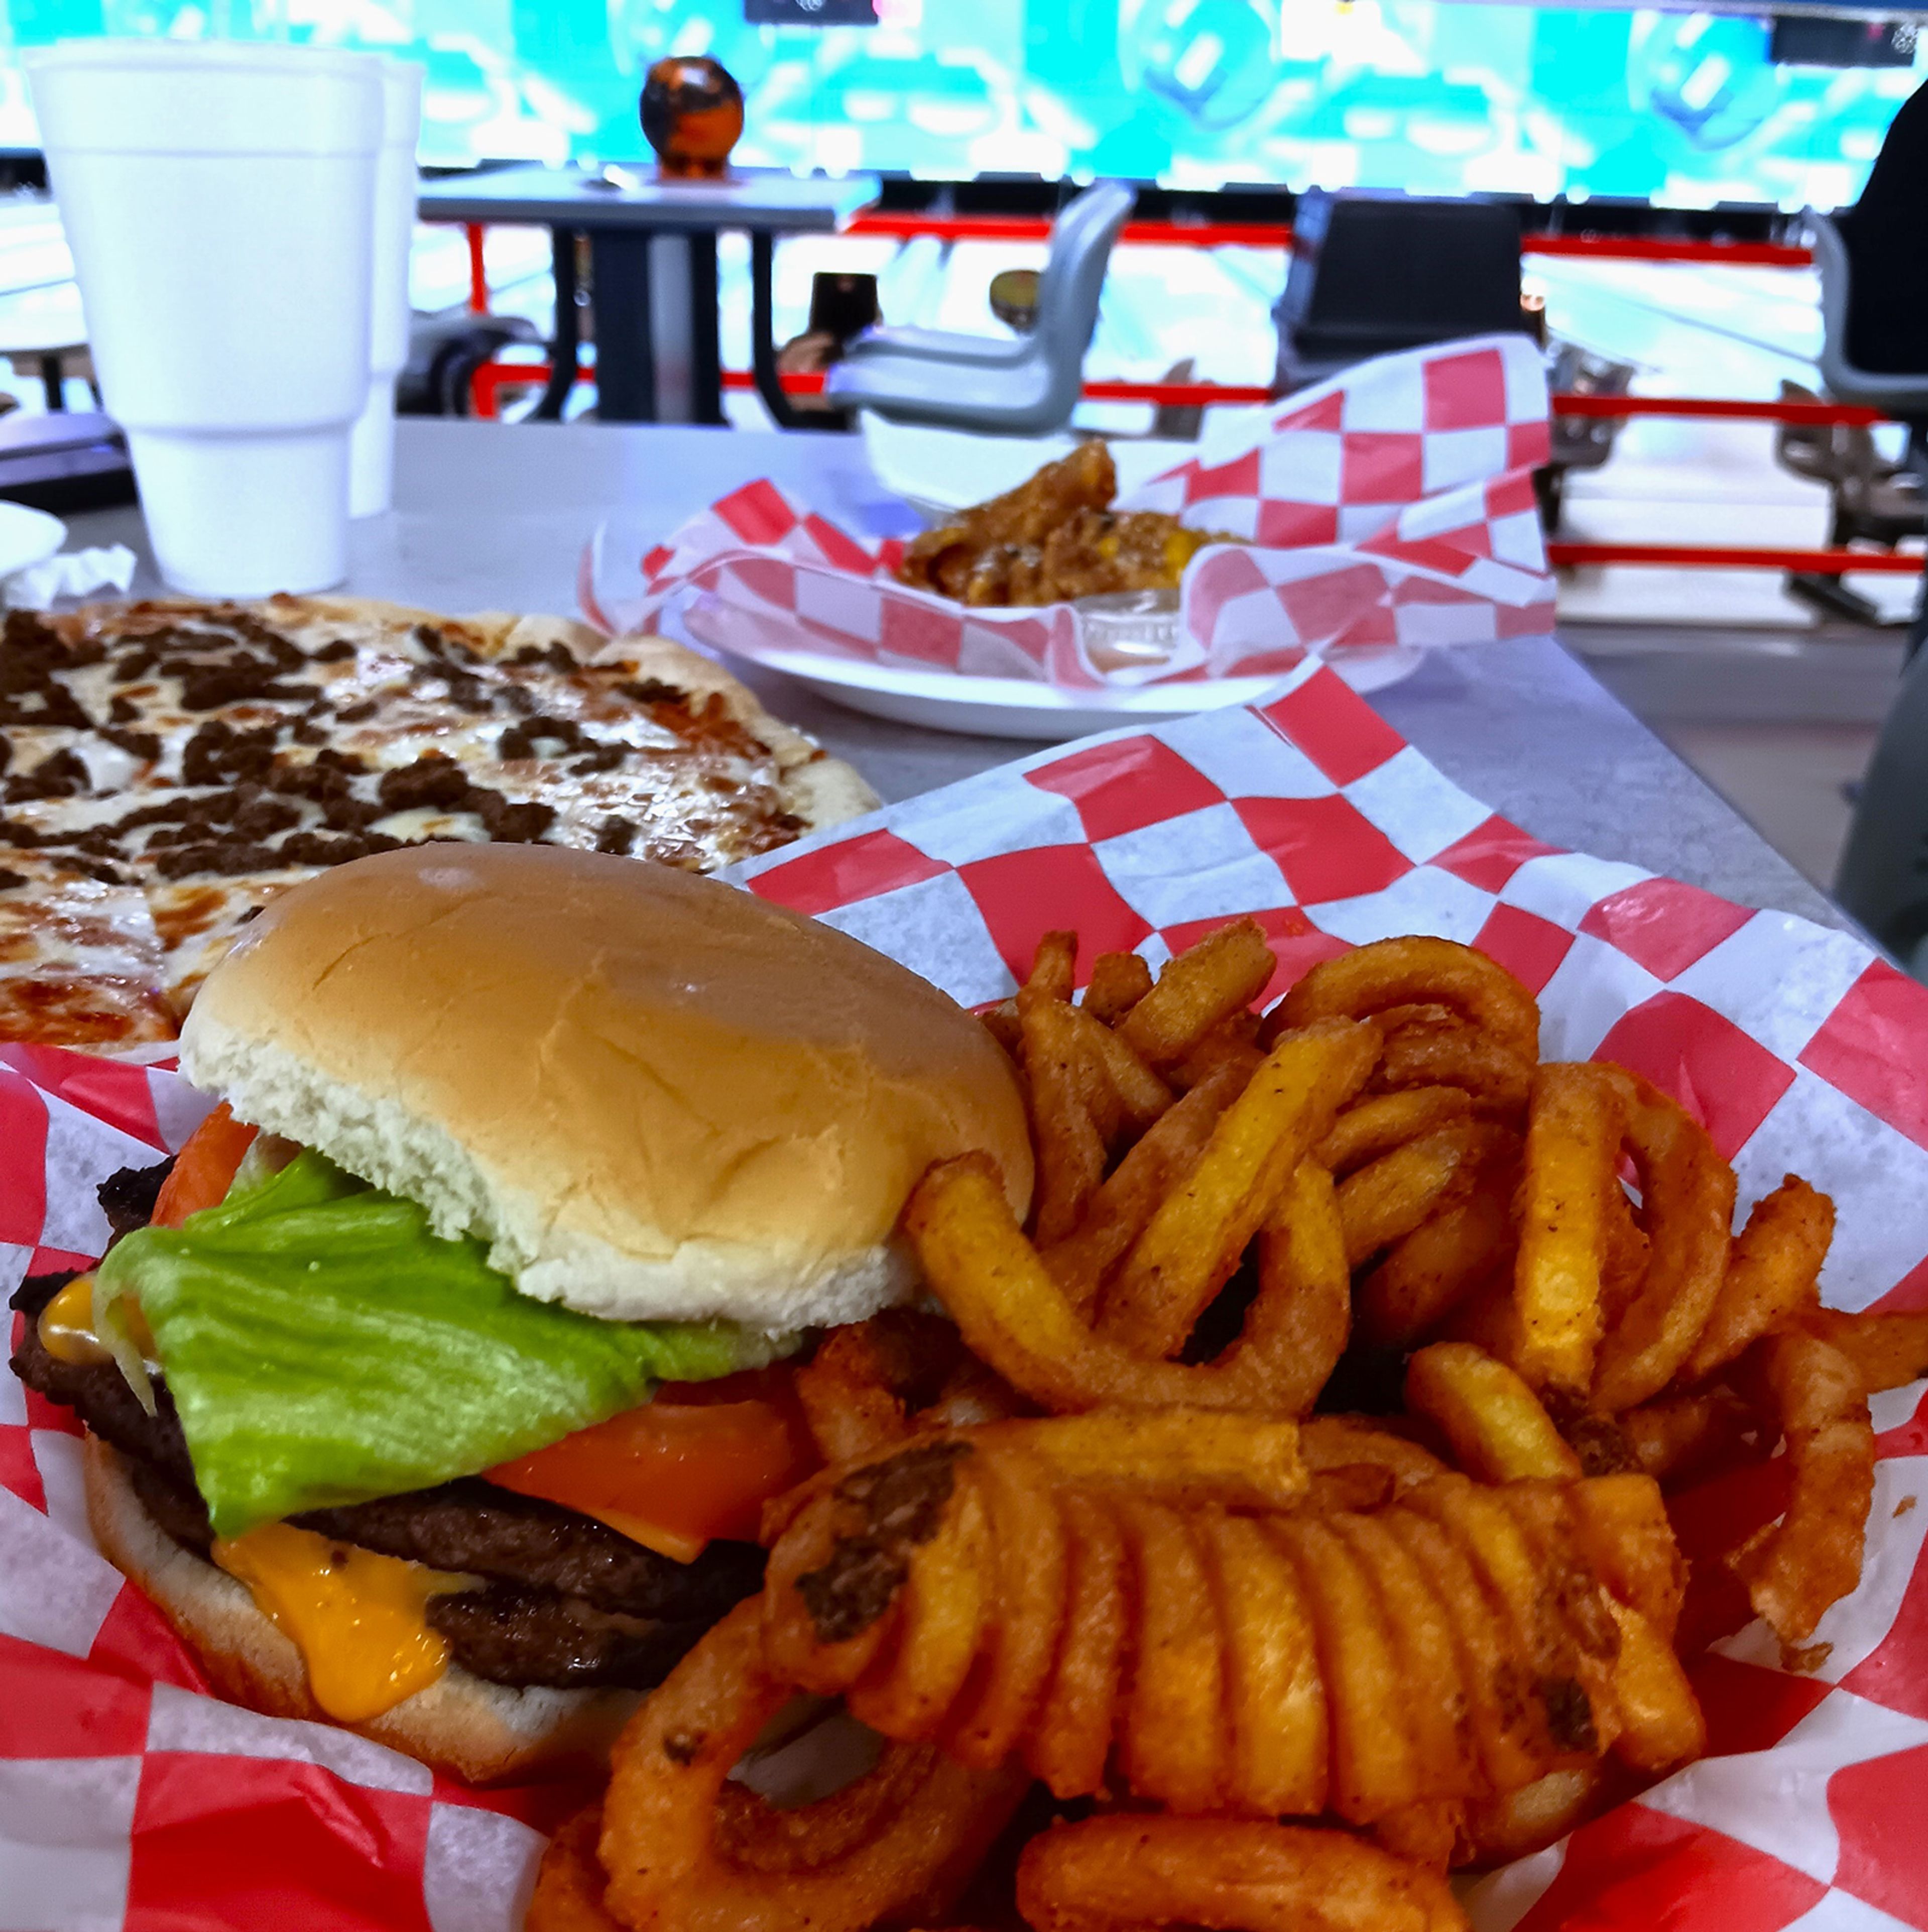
[81, 962]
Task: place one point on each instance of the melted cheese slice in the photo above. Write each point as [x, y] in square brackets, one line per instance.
[67, 1332]
[359, 1619]
[679, 1547]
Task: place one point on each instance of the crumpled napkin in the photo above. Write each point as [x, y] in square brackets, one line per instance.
[74, 573]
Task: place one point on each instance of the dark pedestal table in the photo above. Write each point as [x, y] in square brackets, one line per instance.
[652, 246]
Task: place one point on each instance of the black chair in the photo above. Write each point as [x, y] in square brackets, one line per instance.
[1870, 499]
[1373, 274]
[1579, 442]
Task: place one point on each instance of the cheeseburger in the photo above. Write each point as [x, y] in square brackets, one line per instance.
[435, 1387]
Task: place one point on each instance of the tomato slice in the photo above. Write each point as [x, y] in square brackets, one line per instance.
[698, 1462]
[204, 1169]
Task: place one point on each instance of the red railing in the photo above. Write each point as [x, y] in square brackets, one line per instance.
[893, 226]
[908, 227]
[492, 377]
[1743, 408]
[1177, 395]
[1662, 248]
[1739, 556]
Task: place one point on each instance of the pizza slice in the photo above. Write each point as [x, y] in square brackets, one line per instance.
[81, 962]
[202, 757]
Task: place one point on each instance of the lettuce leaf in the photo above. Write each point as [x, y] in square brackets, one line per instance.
[322, 1348]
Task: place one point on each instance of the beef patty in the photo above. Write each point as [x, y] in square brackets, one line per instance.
[564, 1599]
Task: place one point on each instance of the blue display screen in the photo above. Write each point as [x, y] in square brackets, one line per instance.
[1437, 96]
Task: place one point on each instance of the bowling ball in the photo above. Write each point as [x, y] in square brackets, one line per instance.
[692, 111]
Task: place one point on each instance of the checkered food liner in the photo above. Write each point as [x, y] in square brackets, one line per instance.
[129, 1798]
[1392, 505]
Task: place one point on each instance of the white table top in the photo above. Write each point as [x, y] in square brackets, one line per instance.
[771, 199]
[494, 516]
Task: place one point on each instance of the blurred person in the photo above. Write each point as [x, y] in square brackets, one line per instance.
[1887, 234]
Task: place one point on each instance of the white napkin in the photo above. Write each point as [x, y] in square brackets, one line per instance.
[73, 573]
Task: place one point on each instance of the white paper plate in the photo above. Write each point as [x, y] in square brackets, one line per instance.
[27, 537]
[1014, 707]
[939, 471]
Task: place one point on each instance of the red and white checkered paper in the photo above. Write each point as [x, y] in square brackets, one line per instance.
[1393, 505]
[128, 1797]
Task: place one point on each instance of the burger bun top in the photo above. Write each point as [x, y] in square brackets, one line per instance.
[656, 1097]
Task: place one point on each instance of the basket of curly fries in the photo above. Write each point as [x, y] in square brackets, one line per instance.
[1278, 1524]
[1438, 1449]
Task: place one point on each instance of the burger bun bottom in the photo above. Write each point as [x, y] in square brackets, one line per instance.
[461, 1725]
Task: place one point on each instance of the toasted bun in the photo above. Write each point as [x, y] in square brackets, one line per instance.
[461, 1724]
[656, 1097]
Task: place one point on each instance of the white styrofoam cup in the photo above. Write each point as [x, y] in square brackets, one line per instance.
[218, 198]
[371, 459]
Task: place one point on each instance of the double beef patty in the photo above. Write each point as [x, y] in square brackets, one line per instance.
[565, 1600]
